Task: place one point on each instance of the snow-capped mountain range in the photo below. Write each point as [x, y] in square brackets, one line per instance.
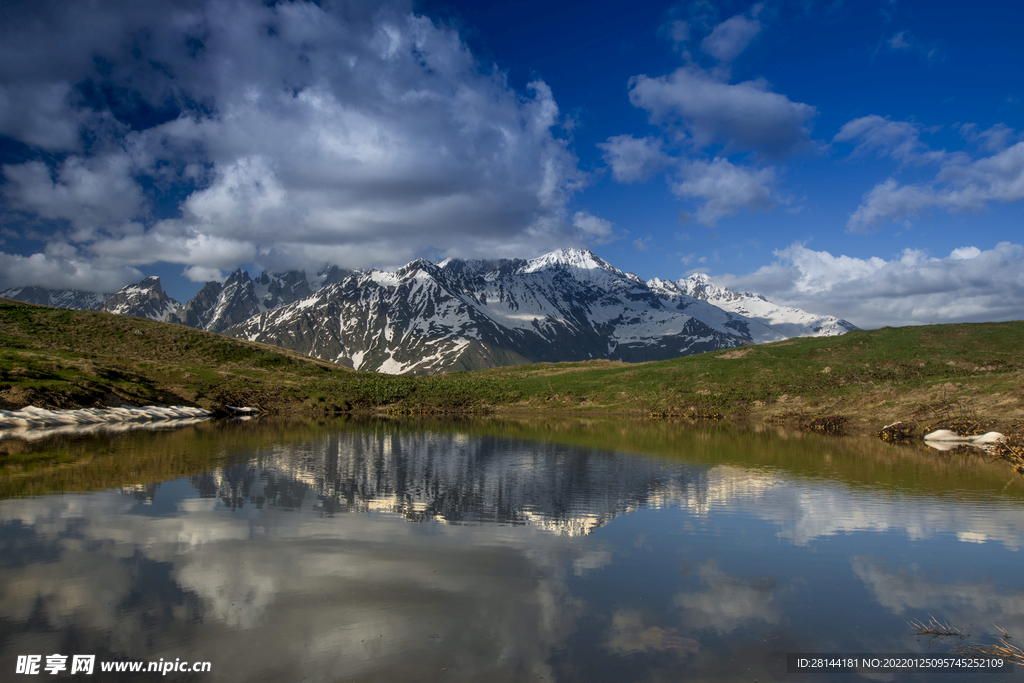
[214, 307]
[58, 298]
[568, 305]
[426, 317]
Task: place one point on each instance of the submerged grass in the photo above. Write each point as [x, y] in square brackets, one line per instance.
[921, 375]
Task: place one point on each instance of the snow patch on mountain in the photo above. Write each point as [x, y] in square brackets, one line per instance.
[57, 298]
[143, 300]
[788, 321]
[566, 305]
[465, 314]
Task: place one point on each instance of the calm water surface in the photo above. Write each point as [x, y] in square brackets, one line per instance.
[491, 551]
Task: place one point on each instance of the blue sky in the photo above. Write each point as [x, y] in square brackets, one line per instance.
[855, 158]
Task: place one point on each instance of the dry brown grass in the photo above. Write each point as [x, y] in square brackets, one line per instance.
[1004, 650]
[738, 353]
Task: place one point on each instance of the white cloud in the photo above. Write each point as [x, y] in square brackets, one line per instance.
[884, 137]
[37, 114]
[725, 188]
[976, 601]
[730, 38]
[899, 41]
[94, 193]
[961, 186]
[965, 253]
[969, 285]
[728, 602]
[365, 131]
[907, 42]
[246, 191]
[743, 116]
[679, 31]
[806, 516]
[889, 200]
[61, 268]
[169, 242]
[993, 139]
[592, 229]
[632, 159]
[701, 112]
[202, 274]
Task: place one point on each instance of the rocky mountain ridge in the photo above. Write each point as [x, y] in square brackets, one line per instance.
[214, 308]
[568, 305]
[425, 317]
[57, 298]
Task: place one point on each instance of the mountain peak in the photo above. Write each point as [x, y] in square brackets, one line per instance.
[700, 286]
[568, 304]
[420, 264]
[238, 277]
[583, 259]
[144, 300]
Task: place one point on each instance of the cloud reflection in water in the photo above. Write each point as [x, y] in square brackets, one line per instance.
[369, 556]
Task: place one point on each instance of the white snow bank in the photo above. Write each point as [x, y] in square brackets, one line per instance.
[40, 433]
[31, 416]
[945, 440]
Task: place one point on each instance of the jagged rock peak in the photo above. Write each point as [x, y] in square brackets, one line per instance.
[418, 264]
[475, 265]
[143, 300]
[150, 283]
[279, 289]
[198, 311]
[328, 275]
[700, 286]
[239, 276]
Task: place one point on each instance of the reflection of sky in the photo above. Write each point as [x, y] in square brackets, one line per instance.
[288, 592]
[805, 511]
[682, 566]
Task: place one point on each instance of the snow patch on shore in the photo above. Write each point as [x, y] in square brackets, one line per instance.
[32, 417]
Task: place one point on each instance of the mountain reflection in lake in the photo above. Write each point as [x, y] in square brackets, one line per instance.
[393, 552]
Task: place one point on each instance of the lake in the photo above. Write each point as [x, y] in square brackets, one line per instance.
[495, 550]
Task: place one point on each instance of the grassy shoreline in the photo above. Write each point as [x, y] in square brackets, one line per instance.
[56, 358]
[135, 459]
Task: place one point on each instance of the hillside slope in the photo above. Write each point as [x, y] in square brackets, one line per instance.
[59, 358]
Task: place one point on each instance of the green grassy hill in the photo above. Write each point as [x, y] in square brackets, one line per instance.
[887, 374]
[58, 358]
